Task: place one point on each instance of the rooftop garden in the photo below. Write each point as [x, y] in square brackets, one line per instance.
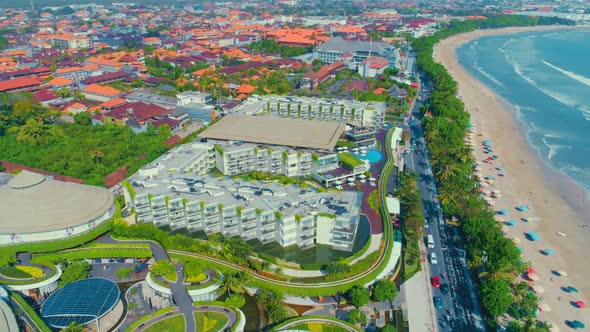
[349, 161]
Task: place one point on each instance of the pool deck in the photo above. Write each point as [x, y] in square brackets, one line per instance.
[366, 188]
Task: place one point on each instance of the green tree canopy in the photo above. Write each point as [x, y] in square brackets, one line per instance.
[74, 271]
[384, 290]
[495, 296]
[359, 296]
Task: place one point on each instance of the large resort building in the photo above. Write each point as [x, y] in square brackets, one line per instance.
[369, 114]
[172, 191]
[179, 191]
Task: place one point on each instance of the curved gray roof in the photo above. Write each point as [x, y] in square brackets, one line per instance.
[33, 203]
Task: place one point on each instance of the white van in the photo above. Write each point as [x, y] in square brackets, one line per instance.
[430, 241]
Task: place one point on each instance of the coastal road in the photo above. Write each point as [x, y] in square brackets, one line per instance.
[461, 310]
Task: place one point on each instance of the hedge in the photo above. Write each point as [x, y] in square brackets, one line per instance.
[57, 245]
[90, 253]
[31, 312]
[148, 317]
[280, 326]
[30, 281]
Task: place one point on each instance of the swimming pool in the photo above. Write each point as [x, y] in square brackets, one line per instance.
[372, 156]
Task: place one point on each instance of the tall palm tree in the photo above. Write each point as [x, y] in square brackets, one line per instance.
[96, 155]
[446, 171]
[445, 196]
[235, 282]
[32, 132]
[464, 154]
[75, 327]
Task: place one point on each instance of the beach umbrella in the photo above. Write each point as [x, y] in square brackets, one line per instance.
[572, 289]
[511, 222]
[519, 249]
[533, 236]
[562, 273]
[504, 211]
[538, 289]
[543, 306]
[577, 324]
[548, 252]
[516, 240]
[580, 304]
[362, 176]
[532, 276]
[372, 179]
[350, 179]
[530, 270]
[553, 327]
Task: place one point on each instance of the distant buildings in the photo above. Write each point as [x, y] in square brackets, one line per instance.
[311, 80]
[348, 111]
[336, 48]
[71, 41]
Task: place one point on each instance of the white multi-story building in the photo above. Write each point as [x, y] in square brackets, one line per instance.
[171, 191]
[348, 111]
[238, 158]
[68, 41]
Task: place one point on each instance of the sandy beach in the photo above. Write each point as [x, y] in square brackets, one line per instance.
[551, 196]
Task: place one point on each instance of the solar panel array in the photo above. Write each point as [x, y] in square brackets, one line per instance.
[82, 302]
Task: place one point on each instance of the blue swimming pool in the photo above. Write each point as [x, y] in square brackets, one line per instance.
[372, 156]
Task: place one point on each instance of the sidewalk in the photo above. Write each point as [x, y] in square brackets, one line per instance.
[419, 302]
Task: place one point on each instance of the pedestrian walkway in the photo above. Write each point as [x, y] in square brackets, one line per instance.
[374, 246]
[418, 299]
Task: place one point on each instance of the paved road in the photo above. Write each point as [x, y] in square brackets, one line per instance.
[461, 310]
[179, 292]
[232, 316]
[319, 320]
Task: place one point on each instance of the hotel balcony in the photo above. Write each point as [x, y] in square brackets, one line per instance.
[307, 237]
[158, 206]
[268, 231]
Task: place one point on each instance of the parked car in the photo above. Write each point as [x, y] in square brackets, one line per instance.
[435, 282]
[444, 288]
[438, 303]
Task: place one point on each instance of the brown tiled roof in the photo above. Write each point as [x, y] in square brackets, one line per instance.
[11, 167]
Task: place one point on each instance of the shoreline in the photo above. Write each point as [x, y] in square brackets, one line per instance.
[552, 195]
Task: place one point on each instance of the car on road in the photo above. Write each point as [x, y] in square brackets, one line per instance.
[438, 303]
[436, 281]
[433, 259]
[444, 288]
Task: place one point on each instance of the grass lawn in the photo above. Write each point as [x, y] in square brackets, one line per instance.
[198, 278]
[172, 324]
[318, 327]
[21, 272]
[349, 160]
[210, 321]
[291, 312]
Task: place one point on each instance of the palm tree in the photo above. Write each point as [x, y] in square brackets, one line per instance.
[464, 154]
[97, 155]
[446, 171]
[75, 327]
[235, 282]
[445, 196]
[32, 132]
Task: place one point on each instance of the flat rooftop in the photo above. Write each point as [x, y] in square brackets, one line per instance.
[276, 131]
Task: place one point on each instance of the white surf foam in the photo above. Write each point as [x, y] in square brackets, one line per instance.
[582, 79]
[488, 76]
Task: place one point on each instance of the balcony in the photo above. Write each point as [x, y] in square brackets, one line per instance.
[158, 206]
[193, 211]
[308, 236]
[268, 231]
[212, 222]
[248, 229]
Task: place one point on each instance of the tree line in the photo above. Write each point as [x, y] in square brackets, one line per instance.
[494, 258]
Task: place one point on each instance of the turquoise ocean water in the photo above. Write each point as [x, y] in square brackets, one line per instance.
[546, 76]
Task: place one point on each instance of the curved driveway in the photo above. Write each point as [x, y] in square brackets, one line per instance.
[231, 315]
[319, 320]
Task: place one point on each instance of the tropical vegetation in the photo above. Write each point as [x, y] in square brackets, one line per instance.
[488, 250]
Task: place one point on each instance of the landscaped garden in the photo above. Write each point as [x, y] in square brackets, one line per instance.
[172, 324]
[209, 321]
[22, 272]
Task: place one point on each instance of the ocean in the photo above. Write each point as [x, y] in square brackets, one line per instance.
[546, 76]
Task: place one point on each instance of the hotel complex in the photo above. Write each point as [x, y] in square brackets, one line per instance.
[178, 189]
[171, 191]
[369, 114]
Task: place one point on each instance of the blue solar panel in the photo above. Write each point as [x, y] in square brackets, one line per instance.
[81, 301]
